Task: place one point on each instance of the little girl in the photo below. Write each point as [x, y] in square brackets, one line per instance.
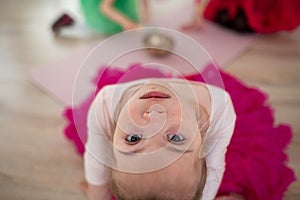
[160, 127]
[167, 138]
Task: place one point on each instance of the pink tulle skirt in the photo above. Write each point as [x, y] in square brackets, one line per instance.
[255, 160]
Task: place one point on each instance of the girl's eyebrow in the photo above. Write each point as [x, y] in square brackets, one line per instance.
[184, 151]
[169, 147]
[131, 152]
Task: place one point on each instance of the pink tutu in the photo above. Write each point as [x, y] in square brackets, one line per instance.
[256, 159]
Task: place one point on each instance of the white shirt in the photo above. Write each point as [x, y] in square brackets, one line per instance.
[101, 125]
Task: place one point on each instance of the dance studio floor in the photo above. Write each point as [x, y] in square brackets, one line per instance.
[36, 161]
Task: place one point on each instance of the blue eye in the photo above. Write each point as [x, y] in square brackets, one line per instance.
[175, 138]
[133, 139]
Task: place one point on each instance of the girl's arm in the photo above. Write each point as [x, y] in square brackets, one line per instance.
[106, 7]
[95, 185]
[97, 150]
[217, 138]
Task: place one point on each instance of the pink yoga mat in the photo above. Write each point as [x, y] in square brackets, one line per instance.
[58, 78]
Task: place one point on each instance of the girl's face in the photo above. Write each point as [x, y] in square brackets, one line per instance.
[155, 127]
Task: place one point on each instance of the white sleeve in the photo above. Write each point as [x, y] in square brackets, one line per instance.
[216, 141]
[98, 147]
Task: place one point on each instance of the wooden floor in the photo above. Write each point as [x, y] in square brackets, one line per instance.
[36, 162]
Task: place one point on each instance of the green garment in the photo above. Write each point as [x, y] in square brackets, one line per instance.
[100, 23]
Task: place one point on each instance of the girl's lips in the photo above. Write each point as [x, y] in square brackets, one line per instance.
[155, 94]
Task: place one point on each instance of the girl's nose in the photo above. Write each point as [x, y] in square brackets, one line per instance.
[156, 118]
[156, 108]
[154, 112]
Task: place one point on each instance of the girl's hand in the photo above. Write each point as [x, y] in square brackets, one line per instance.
[129, 25]
[231, 196]
[95, 192]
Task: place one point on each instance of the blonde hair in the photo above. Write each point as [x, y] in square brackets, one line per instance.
[127, 196]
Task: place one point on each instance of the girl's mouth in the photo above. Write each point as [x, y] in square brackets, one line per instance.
[155, 94]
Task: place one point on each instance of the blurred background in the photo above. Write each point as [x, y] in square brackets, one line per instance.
[37, 162]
